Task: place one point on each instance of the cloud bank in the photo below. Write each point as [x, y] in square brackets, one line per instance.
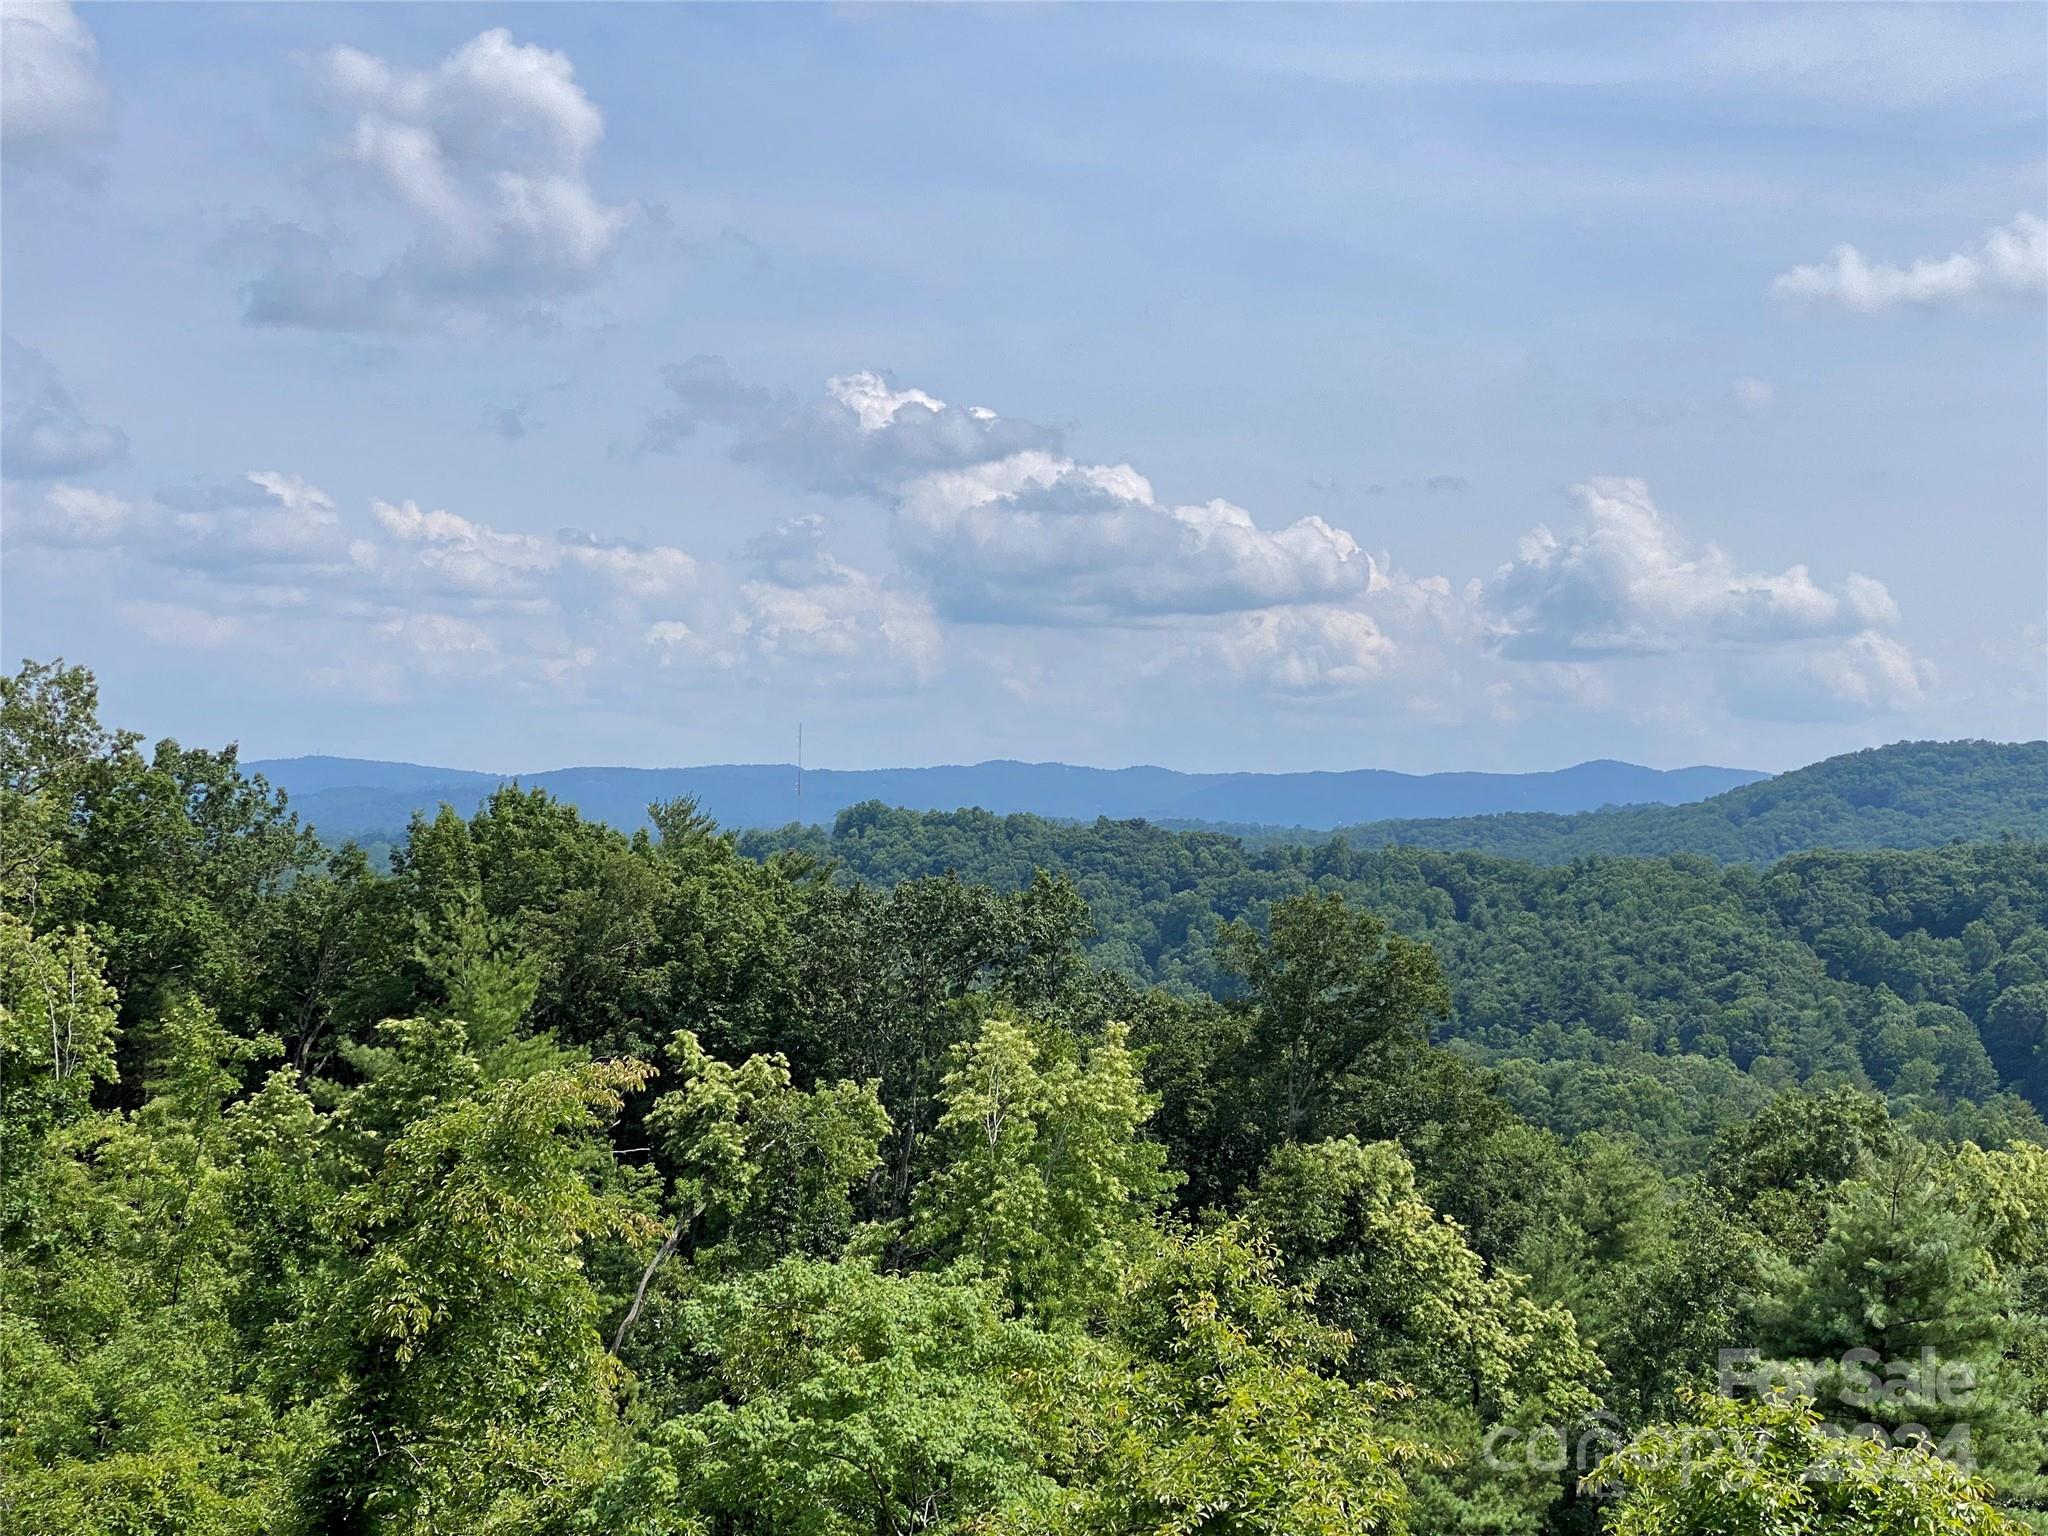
[992, 523]
[1006, 550]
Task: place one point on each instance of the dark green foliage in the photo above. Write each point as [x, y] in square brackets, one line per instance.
[1914, 794]
[1667, 997]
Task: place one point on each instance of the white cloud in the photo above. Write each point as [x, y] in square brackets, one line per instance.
[1866, 674]
[1302, 650]
[46, 434]
[807, 606]
[849, 619]
[475, 177]
[641, 571]
[402, 587]
[94, 517]
[258, 525]
[475, 558]
[1626, 582]
[2009, 264]
[875, 405]
[1032, 538]
[807, 616]
[1753, 394]
[861, 436]
[670, 635]
[1038, 539]
[468, 556]
[996, 524]
[51, 100]
[792, 552]
[69, 517]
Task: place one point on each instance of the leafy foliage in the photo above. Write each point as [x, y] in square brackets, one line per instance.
[563, 1181]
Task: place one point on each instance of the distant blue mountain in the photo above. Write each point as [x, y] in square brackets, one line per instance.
[353, 797]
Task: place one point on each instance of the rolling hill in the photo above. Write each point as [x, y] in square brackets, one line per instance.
[1914, 794]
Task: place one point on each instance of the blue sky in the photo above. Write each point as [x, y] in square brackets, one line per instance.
[1224, 388]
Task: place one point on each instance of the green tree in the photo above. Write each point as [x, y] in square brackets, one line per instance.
[129, 1406]
[1334, 995]
[1901, 1319]
[1763, 1468]
[2016, 1035]
[1044, 1181]
[756, 1169]
[1421, 1311]
[57, 1032]
[463, 1376]
[1217, 1403]
[1781, 1167]
[836, 1401]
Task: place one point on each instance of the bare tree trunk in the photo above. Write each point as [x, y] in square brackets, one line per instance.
[661, 1256]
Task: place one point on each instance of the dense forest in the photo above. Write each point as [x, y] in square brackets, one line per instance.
[1662, 997]
[1914, 794]
[963, 1174]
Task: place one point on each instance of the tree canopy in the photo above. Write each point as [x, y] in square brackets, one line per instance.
[554, 1180]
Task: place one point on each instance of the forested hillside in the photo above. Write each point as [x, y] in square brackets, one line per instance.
[564, 1181]
[1915, 794]
[1656, 995]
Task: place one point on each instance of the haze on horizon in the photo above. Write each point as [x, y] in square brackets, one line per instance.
[1472, 388]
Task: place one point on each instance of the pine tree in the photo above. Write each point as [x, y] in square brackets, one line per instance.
[1900, 1322]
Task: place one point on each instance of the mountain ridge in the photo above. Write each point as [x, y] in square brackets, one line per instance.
[1909, 794]
[370, 797]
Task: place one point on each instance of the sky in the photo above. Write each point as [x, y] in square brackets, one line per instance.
[1266, 388]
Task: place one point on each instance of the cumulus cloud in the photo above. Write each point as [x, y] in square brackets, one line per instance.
[638, 570]
[52, 103]
[1626, 582]
[394, 587]
[2008, 264]
[1302, 650]
[792, 552]
[845, 618]
[262, 526]
[45, 434]
[992, 523]
[468, 556]
[861, 437]
[996, 524]
[475, 194]
[804, 606]
[1040, 539]
[475, 558]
